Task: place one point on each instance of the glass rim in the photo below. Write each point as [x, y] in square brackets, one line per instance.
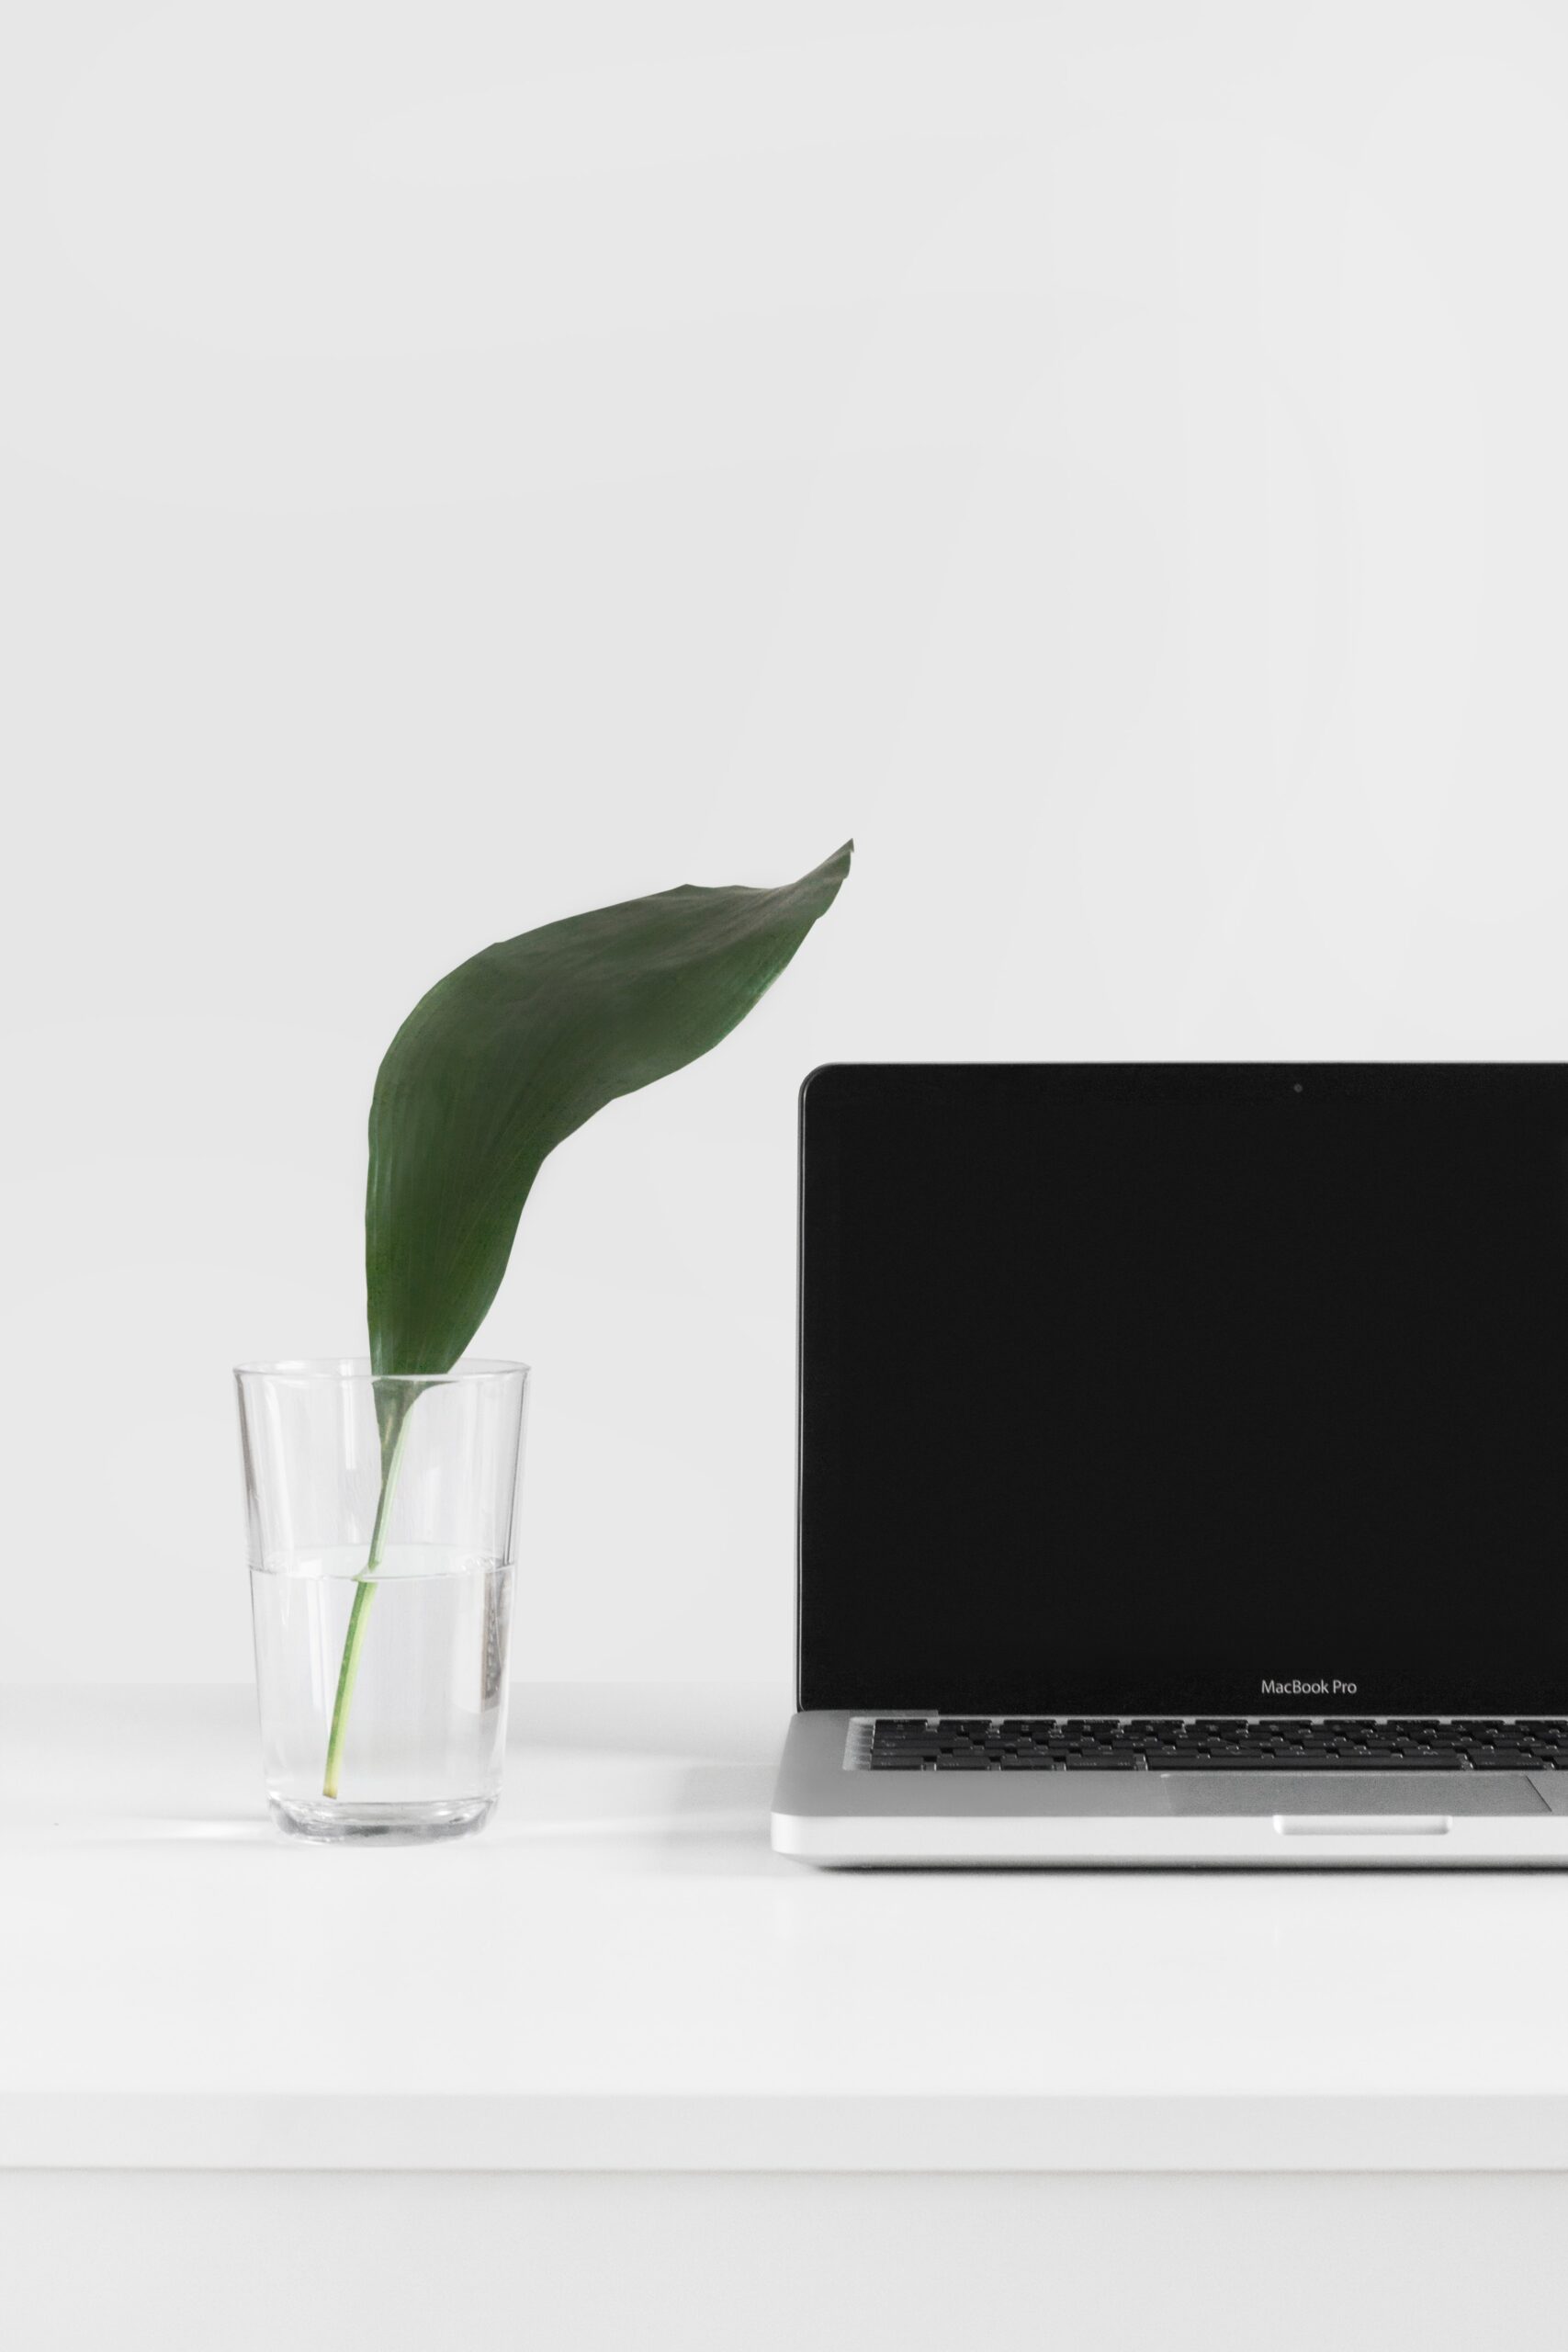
[345, 1369]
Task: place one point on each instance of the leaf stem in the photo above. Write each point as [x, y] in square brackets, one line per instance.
[364, 1594]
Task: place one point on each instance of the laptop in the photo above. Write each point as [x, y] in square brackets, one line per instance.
[1183, 1466]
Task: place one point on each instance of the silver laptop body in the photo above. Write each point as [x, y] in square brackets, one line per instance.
[1183, 1467]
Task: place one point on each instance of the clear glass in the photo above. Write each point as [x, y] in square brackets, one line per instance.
[382, 1517]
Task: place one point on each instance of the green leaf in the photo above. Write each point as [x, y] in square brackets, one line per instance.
[512, 1051]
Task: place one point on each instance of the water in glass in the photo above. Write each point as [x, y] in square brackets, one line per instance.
[422, 1756]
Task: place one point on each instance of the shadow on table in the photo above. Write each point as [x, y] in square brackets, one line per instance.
[709, 1819]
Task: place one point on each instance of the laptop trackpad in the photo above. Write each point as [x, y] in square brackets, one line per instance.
[1413, 1795]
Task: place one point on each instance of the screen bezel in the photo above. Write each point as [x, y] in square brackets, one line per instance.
[829, 1680]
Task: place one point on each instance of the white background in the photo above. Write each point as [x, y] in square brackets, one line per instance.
[460, 463]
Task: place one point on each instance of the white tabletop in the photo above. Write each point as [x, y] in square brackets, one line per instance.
[619, 1973]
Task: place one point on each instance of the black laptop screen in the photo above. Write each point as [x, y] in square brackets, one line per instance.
[1228, 1390]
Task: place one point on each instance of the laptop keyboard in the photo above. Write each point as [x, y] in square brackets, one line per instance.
[1217, 1743]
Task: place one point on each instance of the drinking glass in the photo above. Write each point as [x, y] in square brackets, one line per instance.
[382, 1513]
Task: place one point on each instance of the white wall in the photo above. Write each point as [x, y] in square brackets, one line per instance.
[462, 462]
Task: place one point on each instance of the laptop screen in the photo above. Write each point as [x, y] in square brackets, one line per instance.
[1184, 1389]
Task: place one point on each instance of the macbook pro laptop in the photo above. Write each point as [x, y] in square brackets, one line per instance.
[1183, 1466]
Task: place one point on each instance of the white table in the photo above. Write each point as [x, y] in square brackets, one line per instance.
[613, 2075]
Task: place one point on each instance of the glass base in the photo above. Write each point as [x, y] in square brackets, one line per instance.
[326, 1822]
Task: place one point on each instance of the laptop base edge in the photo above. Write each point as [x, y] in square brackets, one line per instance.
[826, 1813]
